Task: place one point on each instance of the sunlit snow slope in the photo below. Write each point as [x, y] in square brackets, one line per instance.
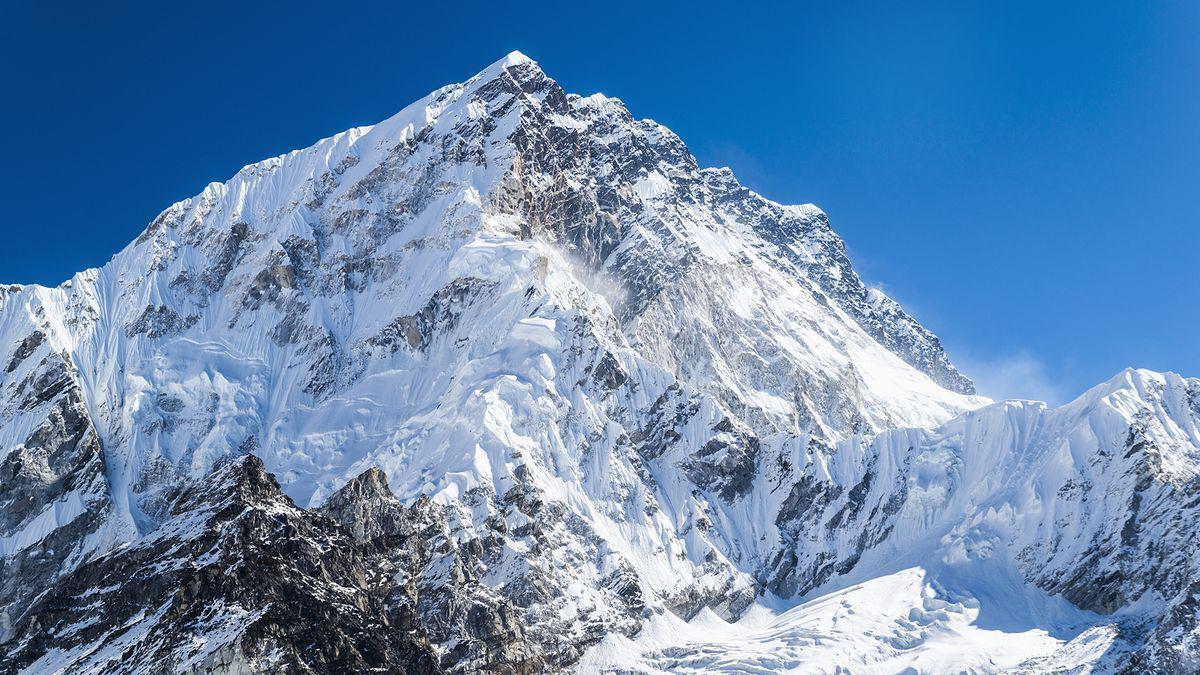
[1019, 539]
[616, 391]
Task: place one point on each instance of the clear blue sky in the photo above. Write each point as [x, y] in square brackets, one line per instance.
[1023, 176]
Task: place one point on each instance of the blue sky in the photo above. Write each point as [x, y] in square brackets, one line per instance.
[1025, 177]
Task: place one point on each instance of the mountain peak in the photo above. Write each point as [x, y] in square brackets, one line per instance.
[600, 385]
[370, 484]
[513, 59]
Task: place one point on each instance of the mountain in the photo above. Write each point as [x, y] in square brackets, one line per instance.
[508, 382]
[1012, 538]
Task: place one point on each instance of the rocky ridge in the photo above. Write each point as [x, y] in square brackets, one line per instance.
[530, 378]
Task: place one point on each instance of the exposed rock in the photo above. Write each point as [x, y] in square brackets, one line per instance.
[24, 349]
[237, 579]
[157, 321]
[607, 385]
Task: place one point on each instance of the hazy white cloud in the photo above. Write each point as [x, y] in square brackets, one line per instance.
[1020, 375]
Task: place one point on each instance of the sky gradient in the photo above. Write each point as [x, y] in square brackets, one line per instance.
[1023, 178]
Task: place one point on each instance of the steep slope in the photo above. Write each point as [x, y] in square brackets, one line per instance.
[603, 382]
[236, 579]
[55, 502]
[1012, 537]
[492, 293]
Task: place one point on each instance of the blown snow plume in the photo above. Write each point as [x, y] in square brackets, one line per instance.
[507, 382]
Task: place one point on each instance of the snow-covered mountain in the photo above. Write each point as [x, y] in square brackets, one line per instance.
[1012, 538]
[508, 382]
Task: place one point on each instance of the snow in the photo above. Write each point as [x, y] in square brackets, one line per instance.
[653, 185]
[897, 622]
[393, 297]
[102, 656]
[56, 515]
[945, 591]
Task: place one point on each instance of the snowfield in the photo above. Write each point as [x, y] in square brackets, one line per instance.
[891, 623]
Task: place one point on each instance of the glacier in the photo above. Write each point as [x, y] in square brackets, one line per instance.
[548, 395]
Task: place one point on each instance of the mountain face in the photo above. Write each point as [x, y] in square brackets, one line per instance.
[508, 383]
[236, 578]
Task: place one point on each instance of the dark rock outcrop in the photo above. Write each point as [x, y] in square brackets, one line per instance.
[237, 579]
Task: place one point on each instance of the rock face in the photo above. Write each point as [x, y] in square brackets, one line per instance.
[1094, 502]
[442, 580]
[528, 378]
[55, 502]
[235, 579]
